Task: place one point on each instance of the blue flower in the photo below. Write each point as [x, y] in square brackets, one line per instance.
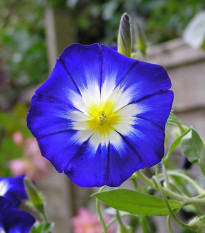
[13, 220]
[13, 189]
[101, 116]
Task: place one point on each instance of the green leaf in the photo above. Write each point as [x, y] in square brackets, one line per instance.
[175, 144]
[192, 146]
[136, 203]
[202, 164]
[174, 121]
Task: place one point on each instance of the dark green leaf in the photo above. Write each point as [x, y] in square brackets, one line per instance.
[192, 146]
[136, 203]
[201, 162]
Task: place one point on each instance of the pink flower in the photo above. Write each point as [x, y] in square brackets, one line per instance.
[32, 164]
[18, 138]
[31, 147]
[18, 167]
[86, 222]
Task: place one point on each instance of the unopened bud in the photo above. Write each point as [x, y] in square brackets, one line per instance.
[124, 36]
[141, 43]
[197, 224]
[36, 199]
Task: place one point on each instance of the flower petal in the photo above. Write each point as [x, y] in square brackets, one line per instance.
[104, 165]
[58, 148]
[122, 163]
[148, 140]
[78, 67]
[13, 189]
[51, 105]
[156, 108]
[144, 78]
[114, 67]
[48, 117]
[83, 64]
[14, 220]
[87, 168]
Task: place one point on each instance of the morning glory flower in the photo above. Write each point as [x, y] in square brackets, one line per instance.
[101, 116]
[13, 189]
[13, 220]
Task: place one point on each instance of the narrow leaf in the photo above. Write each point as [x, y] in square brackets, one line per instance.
[175, 144]
[136, 203]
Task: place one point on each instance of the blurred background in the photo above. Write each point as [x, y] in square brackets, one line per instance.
[32, 35]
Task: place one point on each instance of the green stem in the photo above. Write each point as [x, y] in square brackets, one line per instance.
[201, 195]
[45, 217]
[182, 198]
[99, 212]
[188, 179]
[166, 176]
[145, 179]
[169, 224]
[181, 128]
[135, 184]
[157, 170]
[143, 224]
[198, 210]
[149, 225]
[119, 218]
[174, 188]
[167, 204]
[115, 219]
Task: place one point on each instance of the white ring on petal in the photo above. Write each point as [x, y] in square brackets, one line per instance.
[4, 186]
[2, 230]
[116, 100]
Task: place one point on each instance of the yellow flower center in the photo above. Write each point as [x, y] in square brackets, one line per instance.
[102, 117]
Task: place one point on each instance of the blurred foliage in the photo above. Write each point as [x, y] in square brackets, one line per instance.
[162, 19]
[22, 41]
[22, 28]
[10, 122]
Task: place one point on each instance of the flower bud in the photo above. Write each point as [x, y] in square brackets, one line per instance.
[197, 224]
[36, 199]
[141, 43]
[124, 36]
